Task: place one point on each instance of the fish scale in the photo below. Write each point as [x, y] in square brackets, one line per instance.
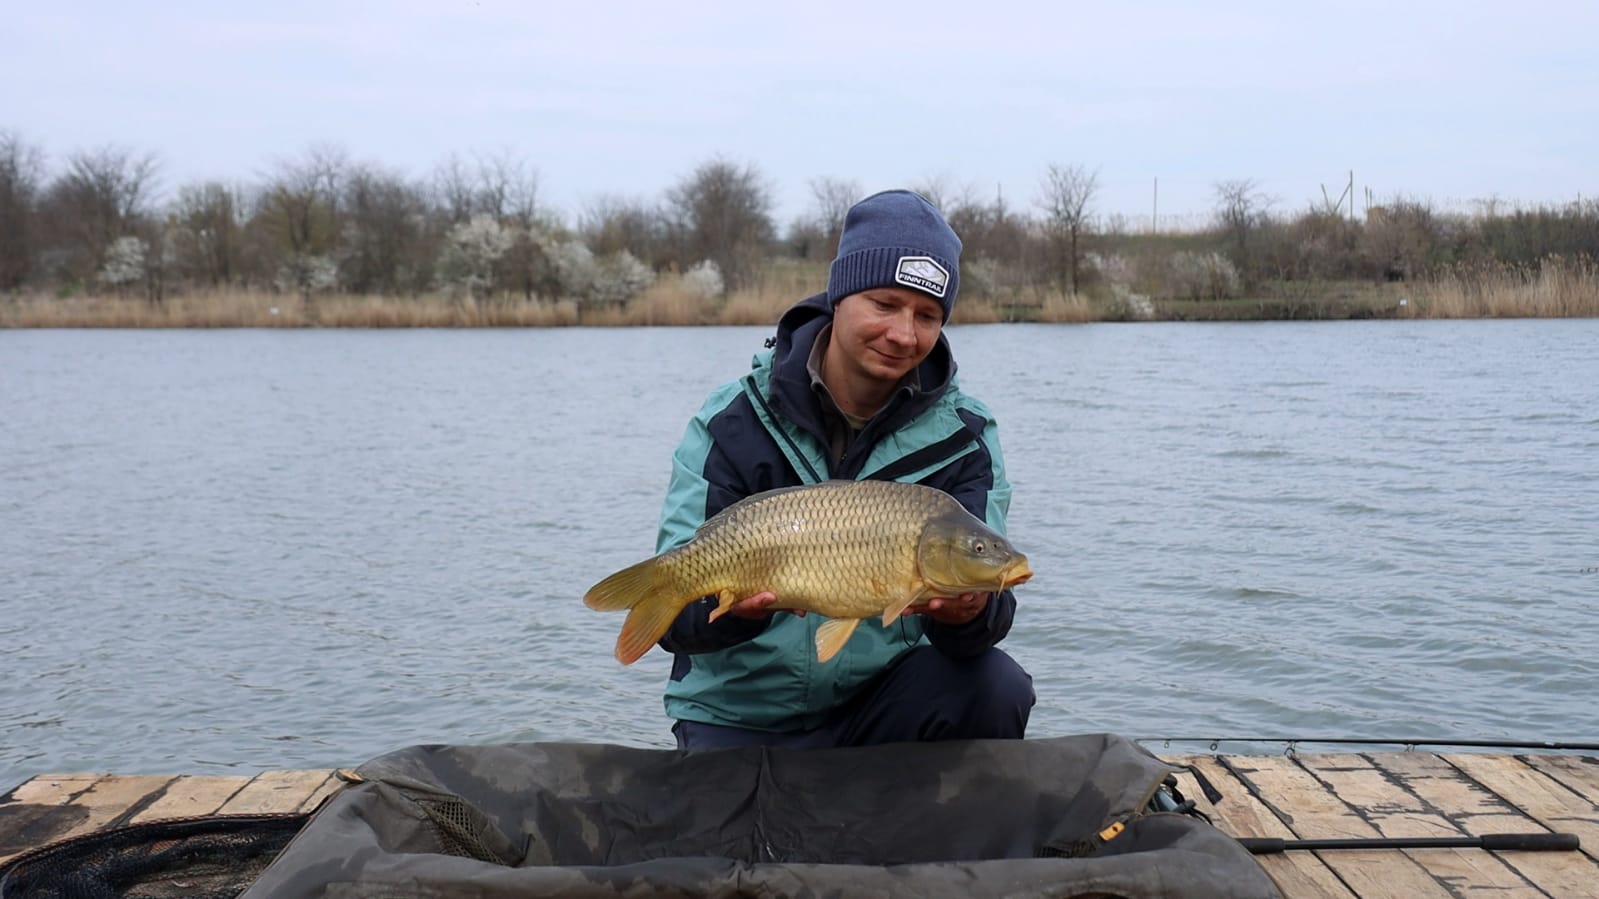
[848, 550]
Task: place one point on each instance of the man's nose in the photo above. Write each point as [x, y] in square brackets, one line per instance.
[903, 327]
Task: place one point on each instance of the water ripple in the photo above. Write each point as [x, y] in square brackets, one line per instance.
[242, 550]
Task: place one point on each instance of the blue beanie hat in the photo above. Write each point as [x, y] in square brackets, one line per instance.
[896, 239]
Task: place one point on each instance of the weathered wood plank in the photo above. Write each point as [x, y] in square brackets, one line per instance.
[188, 797]
[1313, 811]
[1297, 874]
[66, 807]
[1548, 801]
[1579, 773]
[330, 785]
[1390, 804]
[1477, 811]
[277, 791]
[34, 812]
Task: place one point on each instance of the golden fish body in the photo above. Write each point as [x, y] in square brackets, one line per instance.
[848, 550]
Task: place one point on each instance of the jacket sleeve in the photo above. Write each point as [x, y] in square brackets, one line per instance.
[977, 480]
[701, 485]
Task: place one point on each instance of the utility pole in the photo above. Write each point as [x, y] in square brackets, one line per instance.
[1154, 213]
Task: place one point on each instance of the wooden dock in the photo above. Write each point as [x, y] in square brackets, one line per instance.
[1304, 796]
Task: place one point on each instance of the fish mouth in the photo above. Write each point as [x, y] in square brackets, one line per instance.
[1016, 574]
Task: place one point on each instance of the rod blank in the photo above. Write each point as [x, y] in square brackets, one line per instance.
[1525, 842]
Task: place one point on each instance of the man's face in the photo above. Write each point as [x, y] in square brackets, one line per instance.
[886, 331]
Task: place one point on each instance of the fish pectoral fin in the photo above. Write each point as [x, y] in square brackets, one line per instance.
[724, 601]
[832, 636]
[898, 607]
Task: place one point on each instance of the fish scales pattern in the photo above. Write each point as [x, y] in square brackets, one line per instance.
[818, 548]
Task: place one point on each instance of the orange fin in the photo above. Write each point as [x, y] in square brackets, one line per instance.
[647, 591]
[626, 588]
[724, 601]
[832, 636]
[646, 623]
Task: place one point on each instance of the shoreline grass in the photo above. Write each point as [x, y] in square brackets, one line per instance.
[1558, 288]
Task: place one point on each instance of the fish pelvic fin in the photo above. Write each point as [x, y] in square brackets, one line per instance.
[832, 636]
[650, 596]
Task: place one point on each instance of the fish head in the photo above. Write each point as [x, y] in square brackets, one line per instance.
[960, 554]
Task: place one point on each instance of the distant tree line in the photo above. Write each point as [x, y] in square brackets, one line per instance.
[475, 228]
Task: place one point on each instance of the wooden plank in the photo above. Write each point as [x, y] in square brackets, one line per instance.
[1477, 811]
[102, 802]
[188, 797]
[52, 789]
[1387, 801]
[278, 791]
[38, 810]
[1297, 874]
[1549, 802]
[330, 785]
[1580, 774]
[1313, 811]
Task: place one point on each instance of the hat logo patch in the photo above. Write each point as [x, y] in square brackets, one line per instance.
[922, 273]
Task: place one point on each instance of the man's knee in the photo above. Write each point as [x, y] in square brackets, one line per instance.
[987, 695]
[1002, 680]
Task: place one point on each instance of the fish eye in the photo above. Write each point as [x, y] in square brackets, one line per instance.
[978, 546]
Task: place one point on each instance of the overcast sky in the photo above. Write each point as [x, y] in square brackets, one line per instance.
[1448, 102]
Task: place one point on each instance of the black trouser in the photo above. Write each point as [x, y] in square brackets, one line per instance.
[923, 695]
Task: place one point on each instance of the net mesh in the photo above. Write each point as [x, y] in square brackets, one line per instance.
[215, 857]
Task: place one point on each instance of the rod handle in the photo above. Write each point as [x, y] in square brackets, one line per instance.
[1262, 845]
[1532, 842]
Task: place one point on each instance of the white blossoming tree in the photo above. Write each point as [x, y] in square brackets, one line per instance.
[124, 263]
[471, 251]
[704, 280]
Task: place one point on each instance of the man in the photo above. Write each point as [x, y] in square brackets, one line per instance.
[859, 383]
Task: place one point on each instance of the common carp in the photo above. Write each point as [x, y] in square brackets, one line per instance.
[848, 550]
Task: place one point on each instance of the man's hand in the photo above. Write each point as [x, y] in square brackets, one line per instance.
[952, 610]
[758, 607]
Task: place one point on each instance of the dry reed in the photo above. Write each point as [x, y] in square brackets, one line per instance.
[1556, 288]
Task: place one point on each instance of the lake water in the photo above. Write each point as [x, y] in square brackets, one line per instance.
[228, 551]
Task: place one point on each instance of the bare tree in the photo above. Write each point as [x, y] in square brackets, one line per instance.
[1241, 209]
[611, 224]
[833, 198]
[207, 222]
[21, 174]
[102, 196]
[945, 194]
[455, 189]
[722, 213]
[509, 191]
[508, 187]
[301, 208]
[1066, 198]
[382, 231]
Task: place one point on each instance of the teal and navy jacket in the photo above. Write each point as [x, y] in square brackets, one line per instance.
[766, 430]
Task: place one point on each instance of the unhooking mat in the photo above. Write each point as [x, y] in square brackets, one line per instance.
[1067, 816]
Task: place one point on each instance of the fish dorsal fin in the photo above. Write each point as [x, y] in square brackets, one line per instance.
[898, 606]
[832, 636]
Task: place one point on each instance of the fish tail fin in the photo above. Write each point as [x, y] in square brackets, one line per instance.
[626, 588]
[651, 597]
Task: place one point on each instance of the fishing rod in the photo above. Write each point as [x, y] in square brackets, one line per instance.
[1497, 842]
[1364, 741]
